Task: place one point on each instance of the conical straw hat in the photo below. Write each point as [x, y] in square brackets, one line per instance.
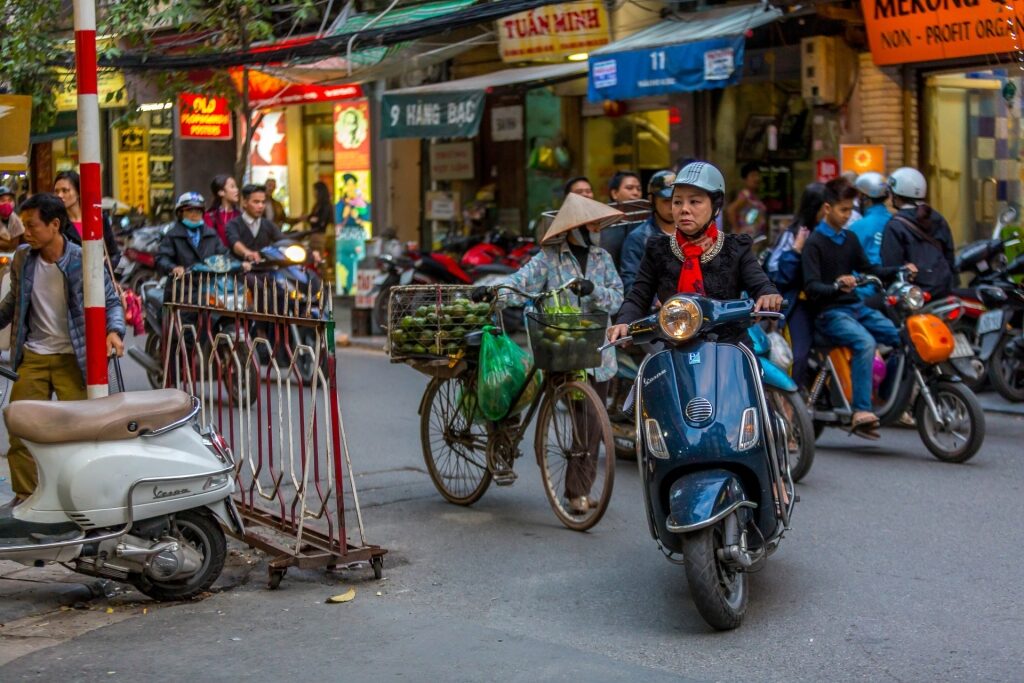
[577, 210]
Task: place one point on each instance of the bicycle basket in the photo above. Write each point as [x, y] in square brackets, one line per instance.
[563, 342]
[431, 321]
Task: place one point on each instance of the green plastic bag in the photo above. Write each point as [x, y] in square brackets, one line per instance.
[503, 370]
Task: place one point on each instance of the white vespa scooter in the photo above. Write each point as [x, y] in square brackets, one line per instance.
[129, 489]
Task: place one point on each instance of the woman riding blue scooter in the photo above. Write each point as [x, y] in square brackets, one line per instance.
[712, 454]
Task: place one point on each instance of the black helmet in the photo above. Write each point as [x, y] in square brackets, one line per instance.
[4, 190]
[660, 184]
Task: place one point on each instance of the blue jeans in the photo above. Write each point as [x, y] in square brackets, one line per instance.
[860, 329]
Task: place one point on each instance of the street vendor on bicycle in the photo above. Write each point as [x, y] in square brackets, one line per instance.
[698, 258]
[570, 250]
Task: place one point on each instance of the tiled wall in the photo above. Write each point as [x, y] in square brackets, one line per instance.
[996, 133]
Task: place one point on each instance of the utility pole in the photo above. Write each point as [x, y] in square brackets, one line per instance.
[91, 196]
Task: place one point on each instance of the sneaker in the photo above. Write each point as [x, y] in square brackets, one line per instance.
[579, 505]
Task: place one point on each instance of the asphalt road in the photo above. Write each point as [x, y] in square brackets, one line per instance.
[898, 567]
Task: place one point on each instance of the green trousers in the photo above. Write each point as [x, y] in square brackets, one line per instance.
[39, 378]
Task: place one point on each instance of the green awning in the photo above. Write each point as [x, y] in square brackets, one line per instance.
[64, 126]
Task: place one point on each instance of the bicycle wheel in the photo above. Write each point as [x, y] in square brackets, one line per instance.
[576, 454]
[454, 439]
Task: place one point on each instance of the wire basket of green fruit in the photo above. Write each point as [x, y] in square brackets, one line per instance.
[432, 321]
[564, 342]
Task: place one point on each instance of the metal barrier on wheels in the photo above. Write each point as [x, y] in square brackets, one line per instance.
[261, 360]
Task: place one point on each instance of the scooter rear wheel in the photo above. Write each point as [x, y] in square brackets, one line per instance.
[204, 534]
[719, 591]
[568, 467]
[800, 427]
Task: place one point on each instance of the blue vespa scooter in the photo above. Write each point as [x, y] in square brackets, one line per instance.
[712, 454]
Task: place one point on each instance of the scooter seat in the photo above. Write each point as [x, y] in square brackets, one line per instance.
[114, 418]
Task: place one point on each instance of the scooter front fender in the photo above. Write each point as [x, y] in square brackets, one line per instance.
[703, 498]
[774, 376]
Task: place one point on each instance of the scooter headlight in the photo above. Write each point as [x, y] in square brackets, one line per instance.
[913, 297]
[680, 318]
[296, 253]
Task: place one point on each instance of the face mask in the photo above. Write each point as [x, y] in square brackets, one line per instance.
[6, 209]
[192, 225]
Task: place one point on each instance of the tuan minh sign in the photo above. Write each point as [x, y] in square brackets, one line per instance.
[902, 31]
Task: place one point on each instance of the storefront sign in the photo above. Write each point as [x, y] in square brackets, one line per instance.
[452, 161]
[110, 85]
[507, 123]
[901, 31]
[269, 156]
[352, 210]
[714, 63]
[133, 179]
[269, 91]
[203, 117]
[15, 121]
[862, 158]
[442, 206]
[553, 31]
[433, 115]
[826, 170]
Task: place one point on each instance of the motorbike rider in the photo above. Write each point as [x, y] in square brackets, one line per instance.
[190, 241]
[659, 192]
[697, 258]
[568, 251]
[46, 305]
[251, 231]
[11, 229]
[830, 257]
[625, 186]
[874, 196]
[919, 234]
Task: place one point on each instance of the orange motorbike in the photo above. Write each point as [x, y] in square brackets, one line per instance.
[919, 377]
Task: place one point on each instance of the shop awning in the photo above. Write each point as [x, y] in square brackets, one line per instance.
[65, 126]
[704, 50]
[453, 109]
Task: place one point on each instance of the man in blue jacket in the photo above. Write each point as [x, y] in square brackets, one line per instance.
[659, 192]
[46, 306]
[874, 192]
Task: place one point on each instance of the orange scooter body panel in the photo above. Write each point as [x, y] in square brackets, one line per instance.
[841, 357]
[931, 337]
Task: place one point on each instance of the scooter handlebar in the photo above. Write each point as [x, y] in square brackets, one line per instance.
[8, 373]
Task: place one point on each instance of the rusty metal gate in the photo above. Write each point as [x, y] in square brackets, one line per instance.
[260, 357]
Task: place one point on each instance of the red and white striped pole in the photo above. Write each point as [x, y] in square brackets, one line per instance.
[92, 194]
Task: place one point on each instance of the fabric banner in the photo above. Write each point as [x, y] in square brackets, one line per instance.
[432, 115]
[714, 63]
[15, 122]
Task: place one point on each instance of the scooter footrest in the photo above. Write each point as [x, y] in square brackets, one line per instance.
[17, 532]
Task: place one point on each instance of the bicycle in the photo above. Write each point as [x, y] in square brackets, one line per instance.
[573, 443]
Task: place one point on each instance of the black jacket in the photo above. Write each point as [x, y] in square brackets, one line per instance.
[902, 244]
[176, 249]
[732, 272]
[824, 261]
[238, 231]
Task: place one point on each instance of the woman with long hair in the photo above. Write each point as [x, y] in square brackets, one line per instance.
[321, 220]
[785, 269]
[223, 206]
[68, 186]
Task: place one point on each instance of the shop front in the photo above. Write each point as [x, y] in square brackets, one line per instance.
[965, 66]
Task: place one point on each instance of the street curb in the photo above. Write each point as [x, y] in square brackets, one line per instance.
[365, 343]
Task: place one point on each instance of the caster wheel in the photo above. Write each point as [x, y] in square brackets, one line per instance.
[378, 567]
[274, 578]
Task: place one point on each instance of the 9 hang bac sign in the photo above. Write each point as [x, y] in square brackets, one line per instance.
[204, 117]
[903, 31]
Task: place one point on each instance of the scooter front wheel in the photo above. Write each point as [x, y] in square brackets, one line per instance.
[203, 533]
[718, 590]
[959, 437]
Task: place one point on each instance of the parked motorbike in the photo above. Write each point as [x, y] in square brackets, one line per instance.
[999, 330]
[919, 377]
[130, 489]
[713, 457]
[138, 262]
[499, 248]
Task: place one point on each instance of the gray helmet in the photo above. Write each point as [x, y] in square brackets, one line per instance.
[660, 184]
[190, 200]
[5, 190]
[908, 182]
[872, 184]
[703, 175]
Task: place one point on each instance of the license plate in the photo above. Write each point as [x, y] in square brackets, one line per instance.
[990, 322]
[963, 347]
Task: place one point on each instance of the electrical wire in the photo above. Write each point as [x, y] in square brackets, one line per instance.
[322, 47]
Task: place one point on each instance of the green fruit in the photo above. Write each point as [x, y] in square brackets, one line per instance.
[407, 323]
[423, 311]
[461, 301]
[418, 322]
[417, 349]
[397, 336]
[457, 332]
[481, 308]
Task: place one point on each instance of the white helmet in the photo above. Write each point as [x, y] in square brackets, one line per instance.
[872, 184]
[908, 182]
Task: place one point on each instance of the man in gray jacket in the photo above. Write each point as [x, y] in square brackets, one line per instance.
[46, 306]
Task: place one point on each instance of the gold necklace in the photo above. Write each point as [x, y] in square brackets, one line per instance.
[708, 253]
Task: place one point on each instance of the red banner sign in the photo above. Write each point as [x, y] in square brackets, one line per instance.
[204, 117]
[270, 91]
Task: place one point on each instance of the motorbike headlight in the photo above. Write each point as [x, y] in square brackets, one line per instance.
[680, 318]
[913, 297]
[296, 253]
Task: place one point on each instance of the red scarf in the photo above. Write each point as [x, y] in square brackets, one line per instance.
[691, 280]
